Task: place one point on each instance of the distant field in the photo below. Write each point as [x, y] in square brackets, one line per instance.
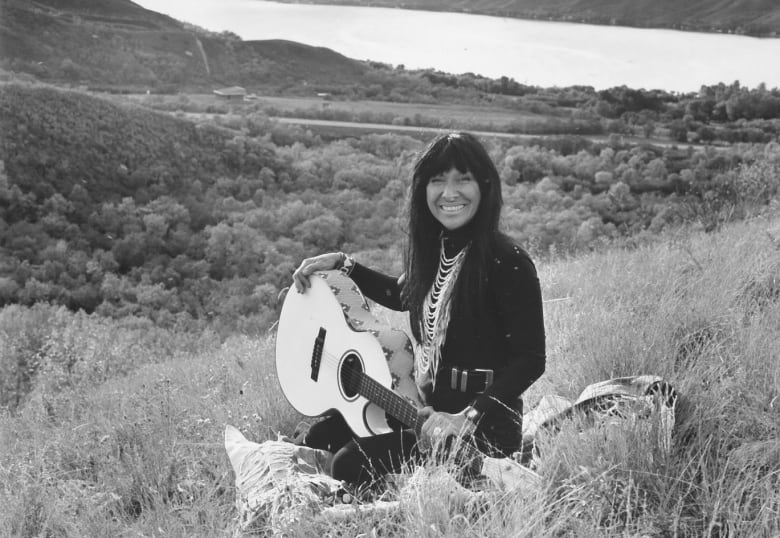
[500, 119]
[342, 128]
[495, 114]
[499, 116]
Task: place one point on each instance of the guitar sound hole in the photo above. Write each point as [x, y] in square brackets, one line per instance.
[350, 375]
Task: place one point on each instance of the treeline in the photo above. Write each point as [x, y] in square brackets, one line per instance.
[722, 113]
[124, 211]
[727, 113]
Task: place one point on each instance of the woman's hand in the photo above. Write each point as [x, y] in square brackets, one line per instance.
[438, 426]
[323, 262]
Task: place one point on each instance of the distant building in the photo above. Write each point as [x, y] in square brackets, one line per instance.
[232, 92]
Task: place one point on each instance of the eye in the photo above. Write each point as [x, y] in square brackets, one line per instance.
[437, 179]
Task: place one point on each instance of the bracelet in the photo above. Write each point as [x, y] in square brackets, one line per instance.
[347, 264]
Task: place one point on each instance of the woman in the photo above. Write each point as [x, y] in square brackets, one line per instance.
[475, 312]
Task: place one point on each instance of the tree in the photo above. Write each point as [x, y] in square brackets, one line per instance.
[323, 232]
[130, 251]
[678, 131]
[656, 170]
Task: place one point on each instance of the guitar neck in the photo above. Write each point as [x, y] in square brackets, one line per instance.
[403, 411]
[393, 404]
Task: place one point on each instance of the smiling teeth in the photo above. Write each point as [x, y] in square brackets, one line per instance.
[452, 208]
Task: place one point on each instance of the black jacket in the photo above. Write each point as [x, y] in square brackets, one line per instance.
[508, 337]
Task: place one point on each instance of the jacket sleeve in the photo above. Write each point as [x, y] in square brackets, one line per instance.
[518, 299]
[379, 287]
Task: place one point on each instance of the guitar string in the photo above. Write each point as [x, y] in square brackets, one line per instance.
[397, 403]
[376, 389]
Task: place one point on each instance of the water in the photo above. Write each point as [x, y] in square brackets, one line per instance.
[532, 52]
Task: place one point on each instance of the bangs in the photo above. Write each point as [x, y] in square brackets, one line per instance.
[449, 152]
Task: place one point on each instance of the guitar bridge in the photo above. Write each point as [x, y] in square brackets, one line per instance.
[316, 354]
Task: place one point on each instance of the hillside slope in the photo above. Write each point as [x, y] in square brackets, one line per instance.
[752, 17]
[121, 432]
[116, 42]
[57, 140]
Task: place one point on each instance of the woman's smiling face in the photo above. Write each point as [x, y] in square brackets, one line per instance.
[453, 198]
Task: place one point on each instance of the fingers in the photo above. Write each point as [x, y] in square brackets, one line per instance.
[425, 412]
[439, 426]
[307, 267]
[323, 262]
[435, 429]
[301, 277]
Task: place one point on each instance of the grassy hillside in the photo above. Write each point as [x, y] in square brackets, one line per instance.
[753, 17]
[122, 434]
[118, 43]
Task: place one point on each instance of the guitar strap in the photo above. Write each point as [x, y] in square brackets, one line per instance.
[395, 343]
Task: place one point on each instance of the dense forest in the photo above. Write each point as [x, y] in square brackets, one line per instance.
[120, 210]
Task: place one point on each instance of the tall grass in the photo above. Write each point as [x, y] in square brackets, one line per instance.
[119, 430]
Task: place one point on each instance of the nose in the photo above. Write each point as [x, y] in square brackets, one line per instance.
[450, 190]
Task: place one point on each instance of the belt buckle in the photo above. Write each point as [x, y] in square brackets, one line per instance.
[488, 377]
[459, 378]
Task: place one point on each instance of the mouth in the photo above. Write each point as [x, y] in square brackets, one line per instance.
[452, 208]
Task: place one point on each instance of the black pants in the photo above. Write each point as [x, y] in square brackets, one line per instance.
[361, 461]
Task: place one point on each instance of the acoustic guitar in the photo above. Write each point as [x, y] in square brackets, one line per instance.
[329, 358]
[332, 355]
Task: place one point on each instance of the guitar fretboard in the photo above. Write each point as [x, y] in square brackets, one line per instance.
[402, 410]
[393, 404]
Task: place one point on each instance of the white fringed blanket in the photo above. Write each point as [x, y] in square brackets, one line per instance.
[279, 484]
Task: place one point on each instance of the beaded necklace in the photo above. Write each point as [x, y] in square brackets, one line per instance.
[436, 313]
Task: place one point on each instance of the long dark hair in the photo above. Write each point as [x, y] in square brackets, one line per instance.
[466, 153]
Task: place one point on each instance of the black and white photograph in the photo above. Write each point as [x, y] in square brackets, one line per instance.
[390, 268]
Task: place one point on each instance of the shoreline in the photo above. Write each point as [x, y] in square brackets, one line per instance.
[595, 20]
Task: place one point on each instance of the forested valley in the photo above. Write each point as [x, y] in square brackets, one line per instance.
[124, 211]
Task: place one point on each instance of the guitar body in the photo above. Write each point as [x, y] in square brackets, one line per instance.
[319, 356]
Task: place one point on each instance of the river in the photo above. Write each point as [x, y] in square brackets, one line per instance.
[538, 53]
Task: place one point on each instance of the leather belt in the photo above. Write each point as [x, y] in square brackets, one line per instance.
[470, 380]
